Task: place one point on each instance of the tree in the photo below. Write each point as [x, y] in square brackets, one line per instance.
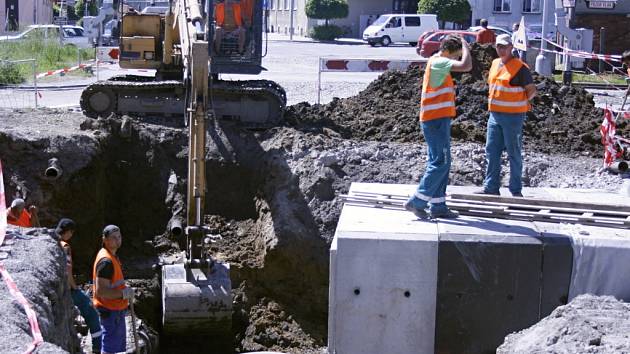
[79, 8]
[446, 10]
[326, 9]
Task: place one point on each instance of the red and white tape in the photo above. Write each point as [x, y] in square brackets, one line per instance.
[13, 289]
[64, 70]
[585, 55]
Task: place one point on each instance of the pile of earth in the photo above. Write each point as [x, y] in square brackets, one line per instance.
[562, 120]
[588, 324]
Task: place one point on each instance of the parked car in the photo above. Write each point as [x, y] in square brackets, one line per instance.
[497, 30]
[429, 42]
[393, 28]
[534, 32]
[71, 35]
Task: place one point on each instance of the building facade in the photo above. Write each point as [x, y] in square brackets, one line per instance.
[360, 13]
[504, 13]
[611, 16]
[17, 14]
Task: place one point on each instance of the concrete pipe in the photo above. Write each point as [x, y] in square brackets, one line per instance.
[619, 166]
[175, 226]
[54, 170]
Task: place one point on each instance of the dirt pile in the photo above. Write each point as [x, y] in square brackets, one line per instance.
[588, 324]
[562, 119]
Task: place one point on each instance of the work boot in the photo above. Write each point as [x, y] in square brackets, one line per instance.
[419, 213]
[484, 191]
[447, 214]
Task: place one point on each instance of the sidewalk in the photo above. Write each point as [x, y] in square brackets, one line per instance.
[280, 37]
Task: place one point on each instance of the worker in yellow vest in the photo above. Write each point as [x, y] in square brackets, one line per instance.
[510, 88]
[437, 108]
[111, 295]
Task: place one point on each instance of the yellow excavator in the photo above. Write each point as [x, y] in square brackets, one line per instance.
[161, 42]
[179, 45]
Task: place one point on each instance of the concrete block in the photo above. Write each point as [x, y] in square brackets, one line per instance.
[556, 268]
[383, 283]
[488, 283]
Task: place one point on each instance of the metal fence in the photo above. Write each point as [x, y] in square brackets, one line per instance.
[19, 95]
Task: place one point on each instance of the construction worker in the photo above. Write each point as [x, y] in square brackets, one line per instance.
[517, 53]
[485, 35]
[247, 8]
[229, 23]
[18, 215]
[437, 108]
[111, 295]
[65, 230]
[511, 87]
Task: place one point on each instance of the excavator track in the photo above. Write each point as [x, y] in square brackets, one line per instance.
[255, 103]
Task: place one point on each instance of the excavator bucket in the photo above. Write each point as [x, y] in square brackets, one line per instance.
[196, 300]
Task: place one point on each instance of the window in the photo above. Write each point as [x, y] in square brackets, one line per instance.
[532, 6]
[412, 21]
[286, 4]
[502, 5]
[394, 22]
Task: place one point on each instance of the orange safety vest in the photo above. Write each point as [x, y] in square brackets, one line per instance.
[219, 13]
[247, 6]
[437, 102]
[117, 282]
[503, 97]
[24, 220]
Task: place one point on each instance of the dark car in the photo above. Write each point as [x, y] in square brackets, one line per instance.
[429, 42]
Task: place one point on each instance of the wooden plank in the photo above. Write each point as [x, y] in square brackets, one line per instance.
[541, 202]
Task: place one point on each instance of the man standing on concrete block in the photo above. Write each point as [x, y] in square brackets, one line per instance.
[65, 230]
[111, 295]
[437, 108]
[510, 88]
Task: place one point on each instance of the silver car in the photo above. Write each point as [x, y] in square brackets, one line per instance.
[71, 35]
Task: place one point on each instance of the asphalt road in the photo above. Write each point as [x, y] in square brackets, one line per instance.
[291, 64]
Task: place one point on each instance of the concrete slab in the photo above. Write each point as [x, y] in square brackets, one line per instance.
[490, 276]
[488, 272]
[383, 283]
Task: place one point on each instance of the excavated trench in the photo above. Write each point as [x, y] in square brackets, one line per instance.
[117, 171]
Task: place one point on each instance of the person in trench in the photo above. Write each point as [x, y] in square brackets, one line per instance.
[65, 231]
[437, 109]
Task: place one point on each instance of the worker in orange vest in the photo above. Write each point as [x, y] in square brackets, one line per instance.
[65, 230]
[510, 88]
[485, 35]
[18, 215]
[111, 295]
[247, 9]
[229, 23]
[437, 108]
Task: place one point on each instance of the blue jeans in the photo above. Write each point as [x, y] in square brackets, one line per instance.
[505, 132]
[114, 330]
[432, 187]
[84, 304]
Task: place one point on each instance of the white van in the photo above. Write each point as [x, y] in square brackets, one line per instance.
[393, 28]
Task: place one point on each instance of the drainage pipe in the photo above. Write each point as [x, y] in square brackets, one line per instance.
[619, 166]
[54, 170]
[175, 226]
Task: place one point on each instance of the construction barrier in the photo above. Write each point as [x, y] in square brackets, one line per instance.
[64, 70]
[361, 65]
[13, 289]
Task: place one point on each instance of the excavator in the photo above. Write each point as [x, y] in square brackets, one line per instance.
[179, 46]
[160, 42]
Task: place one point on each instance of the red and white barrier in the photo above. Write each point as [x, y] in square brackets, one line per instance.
[64, 70]
[362, 66]
[8, 280]
[582, 54]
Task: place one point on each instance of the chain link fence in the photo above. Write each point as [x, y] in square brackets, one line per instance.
[18, 84]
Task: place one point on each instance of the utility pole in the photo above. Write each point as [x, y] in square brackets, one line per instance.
[542, 62]
[291, 24]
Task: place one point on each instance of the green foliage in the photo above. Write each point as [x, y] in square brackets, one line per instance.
[326, 9]
[326, 33]
[79, 8]
[49, 54]
[446, 10]
[10, 74]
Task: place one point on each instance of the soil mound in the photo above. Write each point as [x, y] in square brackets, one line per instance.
[588, 324]
[562, 120]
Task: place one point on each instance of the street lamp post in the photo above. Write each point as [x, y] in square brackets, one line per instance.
[543, 66]
[291, 24]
